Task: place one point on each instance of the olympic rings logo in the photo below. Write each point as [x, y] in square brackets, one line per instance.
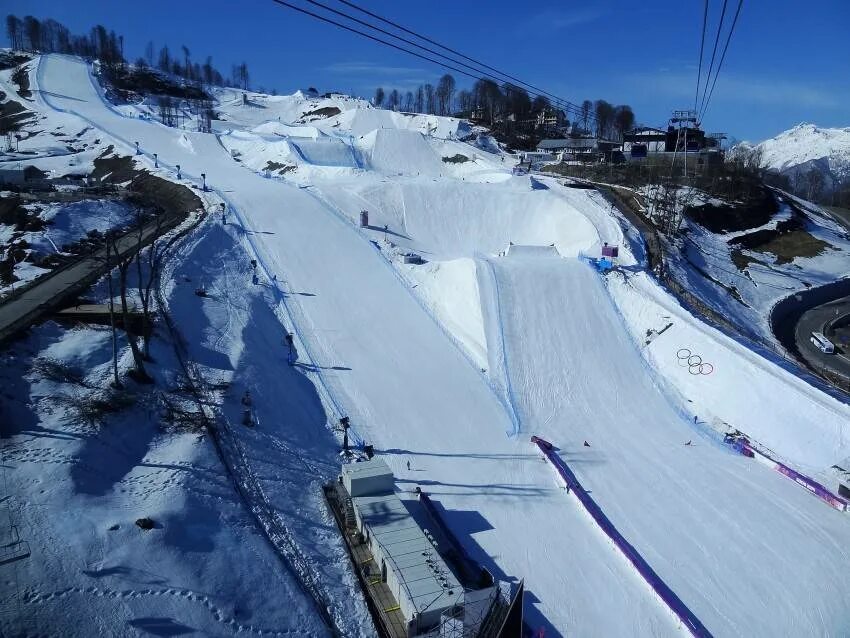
[694, 363]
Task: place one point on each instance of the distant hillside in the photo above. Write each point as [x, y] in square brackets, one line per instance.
[803, 151]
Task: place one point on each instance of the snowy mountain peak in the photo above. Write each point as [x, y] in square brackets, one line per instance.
[804, 147]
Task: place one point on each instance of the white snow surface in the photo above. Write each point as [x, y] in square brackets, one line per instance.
[751, 553]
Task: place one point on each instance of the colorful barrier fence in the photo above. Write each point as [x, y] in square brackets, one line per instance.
[667, 596]
[742, 445]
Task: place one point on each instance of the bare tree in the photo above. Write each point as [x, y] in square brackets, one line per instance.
[379, 97]
[394, 100]
[123, 262]
[14, 29]
[419, 101]
[408, 101]
[445, 94]
[148, 264]
[430, 103]
[186, 65]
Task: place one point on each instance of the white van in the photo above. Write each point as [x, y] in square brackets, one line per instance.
[822, 343]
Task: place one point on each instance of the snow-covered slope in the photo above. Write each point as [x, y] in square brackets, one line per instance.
[503, 341]
[804, 147]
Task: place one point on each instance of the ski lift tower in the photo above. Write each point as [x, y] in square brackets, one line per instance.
[683, 121]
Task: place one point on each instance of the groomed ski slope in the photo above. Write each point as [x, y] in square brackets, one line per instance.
[409, 390]
[721, 530]
[741, 546]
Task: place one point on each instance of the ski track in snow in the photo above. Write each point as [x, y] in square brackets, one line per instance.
[37, 597]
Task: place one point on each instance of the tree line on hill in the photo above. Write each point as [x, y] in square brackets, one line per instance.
[509, 110]
[49, 36]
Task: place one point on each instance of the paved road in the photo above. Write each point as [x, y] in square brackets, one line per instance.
[52, 290]
[815, 320]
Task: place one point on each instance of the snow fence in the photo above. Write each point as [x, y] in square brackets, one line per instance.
[742, 445]
[667, 596]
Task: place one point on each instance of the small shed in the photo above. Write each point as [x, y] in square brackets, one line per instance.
[610, 251]
[368, 477]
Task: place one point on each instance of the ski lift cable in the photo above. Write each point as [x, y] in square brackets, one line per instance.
[419, 46]
[567, 107]
[457, 53]
[713, 53]
[701, 49]
[722, 57]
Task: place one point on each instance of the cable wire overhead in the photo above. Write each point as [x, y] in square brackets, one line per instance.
[722, 57]
[701, 48]
[713, 54]
[446, 61]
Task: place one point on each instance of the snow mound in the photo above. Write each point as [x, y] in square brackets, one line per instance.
[532, 252]
[325, 151]
[397, 151]
[285, 130]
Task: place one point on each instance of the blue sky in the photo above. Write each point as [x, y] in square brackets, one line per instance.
[789, 61]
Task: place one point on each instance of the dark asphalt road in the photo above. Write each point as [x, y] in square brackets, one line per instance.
[814, 320]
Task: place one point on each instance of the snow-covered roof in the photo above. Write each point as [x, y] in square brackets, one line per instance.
[426, 581]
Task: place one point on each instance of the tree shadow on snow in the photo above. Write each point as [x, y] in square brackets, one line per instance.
[129, 574]
[160, 626]
[495, 457]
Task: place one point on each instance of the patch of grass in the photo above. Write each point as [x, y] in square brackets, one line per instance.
[798, 243]
[457, 158]
[741, 260]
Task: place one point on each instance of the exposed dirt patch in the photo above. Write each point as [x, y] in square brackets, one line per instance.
[795, 244]
[172, 198]
[283, 169]
[13, 214]
[11, 59]
[13, 115]
[786, 242]
[326, 111]
[128, 84]
[727, 218]
[761, 237]
[456, 159]
[21, 77]
[741, 260]
[114, 170]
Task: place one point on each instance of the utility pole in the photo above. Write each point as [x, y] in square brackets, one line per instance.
[115, 381]
[289, 342]
[344, 424]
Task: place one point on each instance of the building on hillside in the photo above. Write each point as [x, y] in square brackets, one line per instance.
[412, 590]
[22, 176]
[580, 149]
[644, 138]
